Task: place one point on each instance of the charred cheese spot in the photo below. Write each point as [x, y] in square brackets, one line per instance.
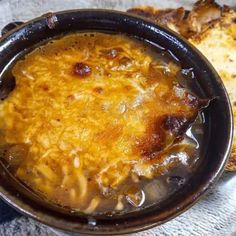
[98, 90]
[162, 132]
[81, 69]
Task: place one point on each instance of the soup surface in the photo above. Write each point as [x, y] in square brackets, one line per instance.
[96, 123]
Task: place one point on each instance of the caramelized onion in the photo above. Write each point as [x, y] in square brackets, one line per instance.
[14, 154]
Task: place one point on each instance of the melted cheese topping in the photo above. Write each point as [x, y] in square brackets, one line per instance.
[85, 108]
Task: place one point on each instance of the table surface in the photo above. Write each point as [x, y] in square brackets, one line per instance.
[215, 214]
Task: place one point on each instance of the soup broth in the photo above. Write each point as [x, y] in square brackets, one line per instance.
[99, 123]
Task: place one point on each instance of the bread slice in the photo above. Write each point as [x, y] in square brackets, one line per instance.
[212, 29]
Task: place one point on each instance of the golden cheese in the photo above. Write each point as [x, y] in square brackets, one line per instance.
[91, 111]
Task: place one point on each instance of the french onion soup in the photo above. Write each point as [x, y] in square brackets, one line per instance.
[100, 123]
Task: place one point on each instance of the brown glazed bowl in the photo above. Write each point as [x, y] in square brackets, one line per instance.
[217, 127]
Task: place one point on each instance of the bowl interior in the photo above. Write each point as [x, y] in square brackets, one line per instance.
[206, 83]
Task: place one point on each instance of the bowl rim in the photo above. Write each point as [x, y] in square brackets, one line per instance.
[180, 208]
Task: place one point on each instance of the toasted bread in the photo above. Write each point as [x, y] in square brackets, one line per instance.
[212, 29]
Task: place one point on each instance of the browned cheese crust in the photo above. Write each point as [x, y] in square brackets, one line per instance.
[101, 120]
[212, 29]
